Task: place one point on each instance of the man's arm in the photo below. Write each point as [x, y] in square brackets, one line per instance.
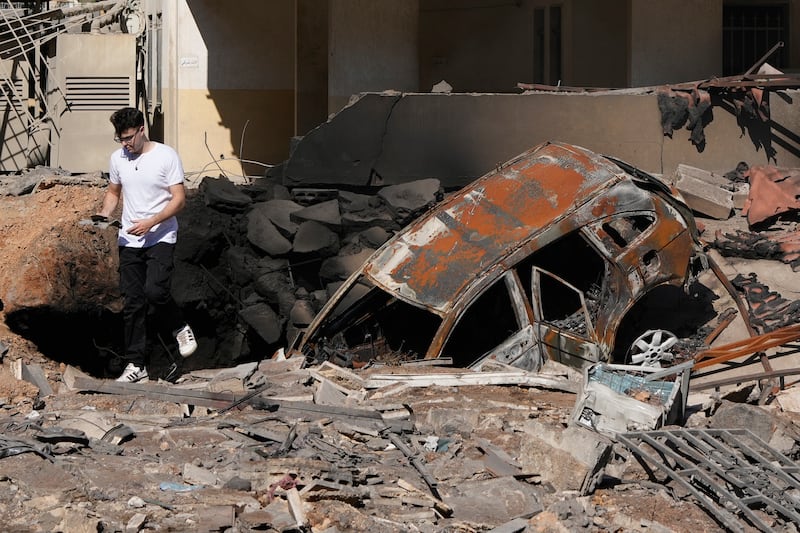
[140, 227]
[110, 199]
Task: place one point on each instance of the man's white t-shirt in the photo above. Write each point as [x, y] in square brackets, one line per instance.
[145, 180]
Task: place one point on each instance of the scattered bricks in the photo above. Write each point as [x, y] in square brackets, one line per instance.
[309, 196]
[313, 237]
[262, 233]
[702, 195]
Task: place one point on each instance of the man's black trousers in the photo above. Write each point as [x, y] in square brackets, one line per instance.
[145, 276]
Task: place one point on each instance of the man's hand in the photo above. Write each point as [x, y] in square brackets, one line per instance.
[140, 227]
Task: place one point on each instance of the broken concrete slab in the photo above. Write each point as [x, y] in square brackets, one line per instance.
[280, 213]
[491, 502]
[314, 237]
[344, 151]
[263, 319]
[326, 213]
[340, 267]
[262, 233]
[570, 459]
[353, 202]
[702, 195]
[374, 237]
[220, 193]
[406, 199]
[763, 423]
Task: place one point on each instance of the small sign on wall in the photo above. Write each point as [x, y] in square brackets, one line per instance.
[190, 62]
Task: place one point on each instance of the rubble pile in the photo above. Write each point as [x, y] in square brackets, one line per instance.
[331, 450]
[256, 262]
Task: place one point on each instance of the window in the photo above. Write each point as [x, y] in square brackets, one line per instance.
[369, 323]
[547, 45]
[562, 305]
[749, 32]
[488, 322]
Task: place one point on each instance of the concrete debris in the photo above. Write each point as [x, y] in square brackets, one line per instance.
[697, 187]
[223, 194]
[341, 460]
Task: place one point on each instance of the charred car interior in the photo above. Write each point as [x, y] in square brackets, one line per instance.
[539, 259]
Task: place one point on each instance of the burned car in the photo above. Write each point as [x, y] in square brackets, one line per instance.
[541, 258]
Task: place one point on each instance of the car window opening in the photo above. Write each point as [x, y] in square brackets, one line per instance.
[624, 230]
[488, 322]
[375, 327]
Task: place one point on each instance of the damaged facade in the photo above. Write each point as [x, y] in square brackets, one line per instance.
[191, 67]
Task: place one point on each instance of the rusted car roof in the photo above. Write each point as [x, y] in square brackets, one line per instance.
[479, 226]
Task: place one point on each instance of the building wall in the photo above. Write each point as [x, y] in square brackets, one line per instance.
[476, 45]
[458, 137]
[229, 86]
[673, 41]
[311, 65]
[372, 46]
[598, 55]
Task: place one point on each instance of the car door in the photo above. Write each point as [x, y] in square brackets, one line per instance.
[563, 324]
[495, 326]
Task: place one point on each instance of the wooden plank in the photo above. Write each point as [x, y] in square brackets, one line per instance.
[455, 379]
[296, 508]
[155, 391]
[76, 380]
[34, 374]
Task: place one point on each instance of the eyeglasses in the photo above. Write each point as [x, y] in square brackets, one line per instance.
[127, 138]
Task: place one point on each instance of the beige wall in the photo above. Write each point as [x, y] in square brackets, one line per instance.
[458, 137]
[229, 82]
[673, 41]
[372, 46]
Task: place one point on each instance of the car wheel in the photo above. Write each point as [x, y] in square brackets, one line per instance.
[652, 347]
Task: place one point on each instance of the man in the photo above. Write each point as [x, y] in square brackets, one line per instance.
[148, 177]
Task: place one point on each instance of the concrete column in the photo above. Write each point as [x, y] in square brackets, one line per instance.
[311, 65]
[372, 46]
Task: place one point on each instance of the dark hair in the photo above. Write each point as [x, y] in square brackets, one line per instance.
[126, 118]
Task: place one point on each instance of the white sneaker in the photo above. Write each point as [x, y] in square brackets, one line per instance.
[186, 341]
[134, 374]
